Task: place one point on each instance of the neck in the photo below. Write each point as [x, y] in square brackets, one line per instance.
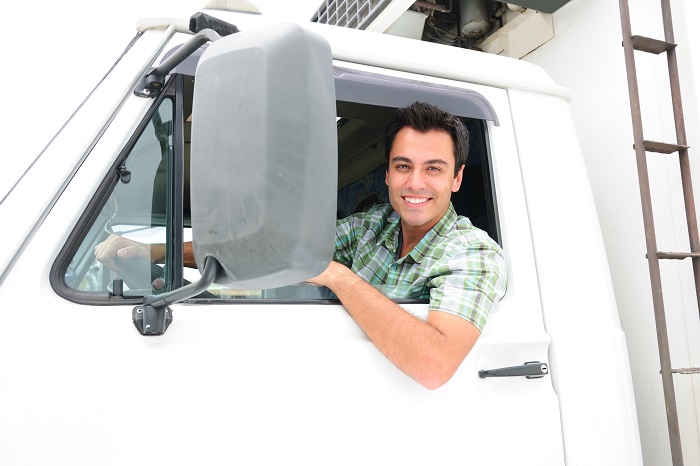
[411, 236]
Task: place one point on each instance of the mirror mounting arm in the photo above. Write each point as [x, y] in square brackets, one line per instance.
[154, 316]
[154, 80]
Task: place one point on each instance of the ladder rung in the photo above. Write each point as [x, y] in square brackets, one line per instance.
[676, 255]
[662, 147]
[647, 44]
[686, 370]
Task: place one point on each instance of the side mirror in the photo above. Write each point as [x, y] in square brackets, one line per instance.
[264, 157]
[263, 166]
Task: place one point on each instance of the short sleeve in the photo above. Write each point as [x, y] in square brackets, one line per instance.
[469, 281]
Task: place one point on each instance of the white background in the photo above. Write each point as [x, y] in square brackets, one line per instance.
[55, 52]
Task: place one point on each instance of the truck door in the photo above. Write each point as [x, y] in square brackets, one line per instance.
[266, 376]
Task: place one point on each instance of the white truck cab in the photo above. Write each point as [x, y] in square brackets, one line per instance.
[265, 133]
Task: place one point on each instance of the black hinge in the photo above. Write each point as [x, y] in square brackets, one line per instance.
[124, 174]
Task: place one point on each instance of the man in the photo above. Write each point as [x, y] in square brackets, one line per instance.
[416, 247]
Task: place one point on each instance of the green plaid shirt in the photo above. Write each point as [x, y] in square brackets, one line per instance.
[456, 265]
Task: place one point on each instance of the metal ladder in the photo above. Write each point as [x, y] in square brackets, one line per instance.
[641, 148]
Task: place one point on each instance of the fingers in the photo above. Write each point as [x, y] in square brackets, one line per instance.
[106, 250]
[134, 251]
[118, 246]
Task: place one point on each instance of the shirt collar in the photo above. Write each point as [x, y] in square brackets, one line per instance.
[390, 237]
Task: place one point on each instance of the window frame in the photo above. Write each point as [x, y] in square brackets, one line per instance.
[102, 196]
[362, 87]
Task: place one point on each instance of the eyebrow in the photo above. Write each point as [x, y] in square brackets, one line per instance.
[400, 158]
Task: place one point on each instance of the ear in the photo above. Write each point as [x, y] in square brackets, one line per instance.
[386, 176]
[458, 180]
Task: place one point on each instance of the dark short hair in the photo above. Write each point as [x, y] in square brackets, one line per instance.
[424, 117]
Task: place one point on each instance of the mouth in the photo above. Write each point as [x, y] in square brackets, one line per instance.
[417, 201]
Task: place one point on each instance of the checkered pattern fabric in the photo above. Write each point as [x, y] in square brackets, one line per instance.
[456, 265]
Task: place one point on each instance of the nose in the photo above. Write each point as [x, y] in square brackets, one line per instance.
[415, 180]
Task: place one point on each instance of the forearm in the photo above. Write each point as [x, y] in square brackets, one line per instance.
[158, 254]
[428, 351]
[188, 255]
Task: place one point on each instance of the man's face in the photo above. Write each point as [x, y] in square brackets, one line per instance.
[420, 177]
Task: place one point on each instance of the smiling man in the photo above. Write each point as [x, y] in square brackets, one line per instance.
[418, 247]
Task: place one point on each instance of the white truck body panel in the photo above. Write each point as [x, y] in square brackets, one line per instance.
[269, 383]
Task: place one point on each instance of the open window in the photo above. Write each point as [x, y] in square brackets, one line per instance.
[366, 102]
[146, 196]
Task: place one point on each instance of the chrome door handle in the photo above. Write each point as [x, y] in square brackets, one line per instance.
[530, 370]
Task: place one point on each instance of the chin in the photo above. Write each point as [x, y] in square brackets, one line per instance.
[413, 220]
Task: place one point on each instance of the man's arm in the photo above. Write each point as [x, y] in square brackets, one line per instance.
[118, 246]
[428, 351]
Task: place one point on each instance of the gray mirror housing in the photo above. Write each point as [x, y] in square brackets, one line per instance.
[264, 157]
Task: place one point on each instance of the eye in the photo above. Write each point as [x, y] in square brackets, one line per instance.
[434, 169]
[402, 167]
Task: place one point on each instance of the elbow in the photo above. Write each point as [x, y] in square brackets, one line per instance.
[436, 376]
[433, 384]
[436, 368]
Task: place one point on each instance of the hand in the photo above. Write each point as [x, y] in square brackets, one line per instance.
[118, 246]
[328, 276]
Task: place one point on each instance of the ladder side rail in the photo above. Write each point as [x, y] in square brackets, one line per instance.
[650, 235]
[683, 157]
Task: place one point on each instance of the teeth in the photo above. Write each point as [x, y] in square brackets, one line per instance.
[416, 200]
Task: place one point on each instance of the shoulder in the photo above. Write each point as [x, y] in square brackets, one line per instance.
[465, 250]
[375, 218]
[461, 233]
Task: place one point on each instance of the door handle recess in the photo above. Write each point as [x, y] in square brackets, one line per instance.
[530, 370]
